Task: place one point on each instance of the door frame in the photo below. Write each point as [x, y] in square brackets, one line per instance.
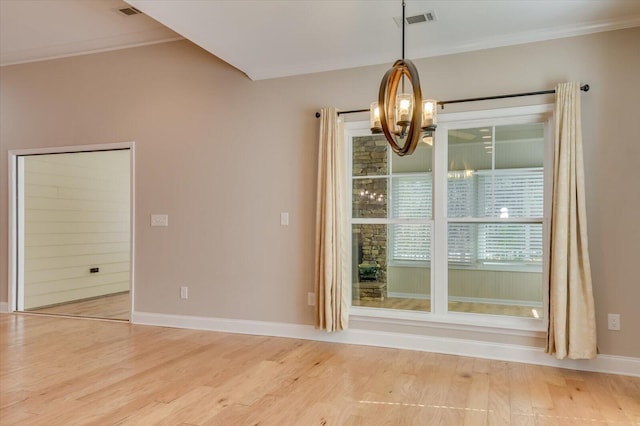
[14, 247]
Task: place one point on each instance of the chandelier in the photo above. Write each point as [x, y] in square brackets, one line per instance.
[403, 117]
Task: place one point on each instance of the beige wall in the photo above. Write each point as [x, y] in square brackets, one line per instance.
[223, 156]
[76, 217]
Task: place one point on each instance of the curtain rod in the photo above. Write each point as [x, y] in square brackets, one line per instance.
[584, 88]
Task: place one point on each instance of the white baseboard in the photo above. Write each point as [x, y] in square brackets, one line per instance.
[4, 307]
[508, 302]
[479, 349]
[402, 295]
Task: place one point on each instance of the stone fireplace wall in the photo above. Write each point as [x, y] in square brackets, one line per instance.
[370, 201]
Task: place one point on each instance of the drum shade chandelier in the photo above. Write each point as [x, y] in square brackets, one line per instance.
[403, 116]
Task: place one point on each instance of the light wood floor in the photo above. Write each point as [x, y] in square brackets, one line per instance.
[117, 307]
[113, 306]
[66, 371]
[469, 307]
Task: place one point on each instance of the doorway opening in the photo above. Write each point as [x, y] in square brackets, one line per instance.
[72, 231]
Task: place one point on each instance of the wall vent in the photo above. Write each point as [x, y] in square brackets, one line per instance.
[129, 11]
[429, 16]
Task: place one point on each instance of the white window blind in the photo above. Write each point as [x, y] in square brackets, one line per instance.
[411, 199]
[507, 194]
[411, 241]
[499, 194]
[510, 243]
[461, 187]
[510, 193]
[461, 244]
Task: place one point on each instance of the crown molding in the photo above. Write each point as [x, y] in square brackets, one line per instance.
[106, 44]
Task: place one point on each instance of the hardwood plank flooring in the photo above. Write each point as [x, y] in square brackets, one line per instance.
[470, 307]
[66, 371]
[112, 306]
[116, 306]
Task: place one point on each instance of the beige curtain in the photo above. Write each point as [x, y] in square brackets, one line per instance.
[331, 278]
[572, 330]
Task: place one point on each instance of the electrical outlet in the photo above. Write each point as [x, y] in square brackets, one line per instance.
[159, 220]
[184, 292]
[311, 299]
[614, 322]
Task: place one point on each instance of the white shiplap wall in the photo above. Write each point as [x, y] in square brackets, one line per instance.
[495, 286]
[76, 217]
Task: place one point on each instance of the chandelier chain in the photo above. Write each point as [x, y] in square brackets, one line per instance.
[403, 6]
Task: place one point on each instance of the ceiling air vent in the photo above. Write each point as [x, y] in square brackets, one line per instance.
[429, 16]
[129, 11]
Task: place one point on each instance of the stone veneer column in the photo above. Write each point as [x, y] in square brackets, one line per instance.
[370, 159]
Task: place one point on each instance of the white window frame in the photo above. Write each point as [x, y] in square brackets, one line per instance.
[439, 315]
[16, 212]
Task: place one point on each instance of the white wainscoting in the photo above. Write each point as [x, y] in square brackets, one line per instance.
[521, 288]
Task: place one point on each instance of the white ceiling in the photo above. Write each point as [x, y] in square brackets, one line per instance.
[276, 38]
[33, 30]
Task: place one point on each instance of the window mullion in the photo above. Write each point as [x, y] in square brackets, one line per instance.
[439, 209]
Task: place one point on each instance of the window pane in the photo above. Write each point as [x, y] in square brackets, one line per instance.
[462, 243]
[519, 146]
[492, 292]
[410, 242]
[411, 197]
[509, 193]
[470, 149]
[391, 285]
[369, 197]
[461, 193]
[495, 268]
[506, 244]
[370, 155]
[496, 172]
[510, 244]
[419, 161]
[369, 262]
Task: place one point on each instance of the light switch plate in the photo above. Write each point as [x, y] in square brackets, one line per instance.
[159, 220]
[284, 218]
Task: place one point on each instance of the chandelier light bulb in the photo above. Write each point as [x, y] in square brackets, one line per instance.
[404, 109]
[374, 118]
[429, 111]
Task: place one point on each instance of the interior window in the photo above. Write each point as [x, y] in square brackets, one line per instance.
[456, 229]
[495, 188]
